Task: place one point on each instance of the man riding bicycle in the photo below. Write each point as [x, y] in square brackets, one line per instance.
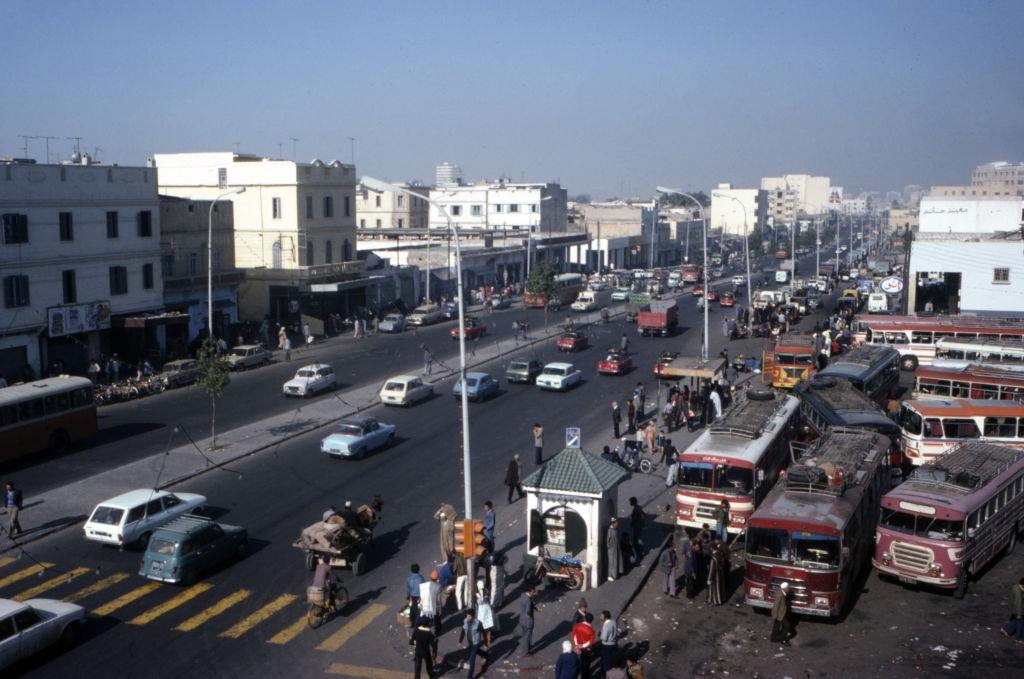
[325, 579]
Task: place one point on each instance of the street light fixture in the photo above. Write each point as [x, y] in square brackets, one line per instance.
[746, 244]
[381, 186]
[704, 224]
[209, 259]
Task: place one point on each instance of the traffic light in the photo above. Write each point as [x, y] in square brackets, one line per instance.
[469, 538]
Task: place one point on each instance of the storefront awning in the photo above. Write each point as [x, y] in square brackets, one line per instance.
[341, 286]
[149, 320]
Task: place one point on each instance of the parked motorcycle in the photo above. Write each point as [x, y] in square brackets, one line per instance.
[564, 569]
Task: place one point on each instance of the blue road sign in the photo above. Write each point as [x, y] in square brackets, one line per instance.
[572, 437]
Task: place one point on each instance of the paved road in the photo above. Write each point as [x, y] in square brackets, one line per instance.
[247, 617]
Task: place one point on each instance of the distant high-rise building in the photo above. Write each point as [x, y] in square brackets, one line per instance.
[990, 181]
[736, 211]
[912, 194]
[447, 174]
[793, 194]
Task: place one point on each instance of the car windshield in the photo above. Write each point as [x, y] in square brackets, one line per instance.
[392, 317]
[767, 543]
[160, 546]
[109, 516]
[394, 386]
[349, 430]
[733, 479]
[554, 371]
[305, 373]
[812, 549]
[471, 381]
[612, 357]
[239, 352]
[519, 365]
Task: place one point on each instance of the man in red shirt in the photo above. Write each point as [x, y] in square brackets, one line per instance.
[583, 637]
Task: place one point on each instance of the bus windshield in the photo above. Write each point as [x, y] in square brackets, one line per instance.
[923, 526]
[812, 549]
[794, 359]
[696, 474]
[722, 477]
[910, 421]
[768, 543]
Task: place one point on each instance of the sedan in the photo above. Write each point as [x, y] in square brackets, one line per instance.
[572, 341]
[479, 386]
[404, 390]
[356, 436]
[473, 329]
[247, 356]
[615, 363]
[698, 290]
[311, 379]
[523, 370]
[727, 299]
[621, 294]
[393, 323]
[180, 373]
[712, 295]
[28, 627]
[559, 376]
[739, 281]
[499, 302]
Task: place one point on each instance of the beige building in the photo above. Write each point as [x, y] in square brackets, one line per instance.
[1000, 178]
[392, 210]
[738, 211]
[902, 219]
[792, 195]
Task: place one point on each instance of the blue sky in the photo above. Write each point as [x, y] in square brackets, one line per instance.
[608, 97]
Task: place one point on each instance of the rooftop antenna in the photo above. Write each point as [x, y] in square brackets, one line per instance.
[78, 141]
[279, 146]
[96, 152]
[294, 142]
[24, 145]
[352, 146]
[237, 145]
[47, 139]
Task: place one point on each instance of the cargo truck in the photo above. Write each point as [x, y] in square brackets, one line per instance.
[661, 318]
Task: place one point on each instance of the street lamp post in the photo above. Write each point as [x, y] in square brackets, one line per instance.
[209, 258]
[380, 186]
[654, 227]
[746, 244]
[704, 225]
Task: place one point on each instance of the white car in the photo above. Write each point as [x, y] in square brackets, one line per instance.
[404, 390]
[392, 323]
[27, 627]
[559, 376]
[425, 315]
[132, 517]
[739, 281]
[311, 379]
[621, 294]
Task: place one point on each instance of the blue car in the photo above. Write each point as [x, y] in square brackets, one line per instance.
[356, 436]
[478, 387]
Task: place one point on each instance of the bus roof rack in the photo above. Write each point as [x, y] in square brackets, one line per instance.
[832, 463]
[748, 417]
[866, 354]
[968, 466]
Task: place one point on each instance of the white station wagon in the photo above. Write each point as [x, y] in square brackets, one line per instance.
[404, 390]
[559, 376]
[28, 627]
[132, 517]
[311, 379]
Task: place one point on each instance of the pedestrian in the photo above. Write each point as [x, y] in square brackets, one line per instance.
[725, 328]
[287, 349]
[512, 478]
[668, 562]
[12, 503]
[704, 537]
[613, 550]
[307, 334]
[691, 551]
[1017, 600]
[616, 418]
[624, 343]
[281, 334]
[818, 343]
[642, 407]
[463, 595]
[637, 519]
[721, 517]
[94, 372]
[428, 360]
[538, 444]
[583, 639]
[527, 609]
[472, 635]
[716, 403]
[568, 664]
[412, 592]
[485, 614]
[630, 415]
[782, 625]
[425, 648]
[430, 595]
[609, 641]
[651, 435]
[717, 576]
[497, 581]
[731, 375]
[489, 521]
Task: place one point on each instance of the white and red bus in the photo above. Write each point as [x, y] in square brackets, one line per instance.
[916, 341]
[930, 428]
[567, 287]
[952, 516]
[737, 459]
[45, 414]
[691, 273]
[971, 381]
[957, 352]
[815, 530]
[860, 324]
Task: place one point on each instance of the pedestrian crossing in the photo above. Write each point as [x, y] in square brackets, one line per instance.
[232, 613]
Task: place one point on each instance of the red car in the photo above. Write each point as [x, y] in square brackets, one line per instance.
[474, 329]
[698, 290]
[712, 295]
[727, 299]
[615, 363]
[573, 340]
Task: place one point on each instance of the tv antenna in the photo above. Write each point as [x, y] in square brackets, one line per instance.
[78, 142]
[24, 145]
[96, 152]
[352, 144]
[295, 140]
[47, 139]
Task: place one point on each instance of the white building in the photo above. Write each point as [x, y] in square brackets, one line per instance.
[80, 265]
[447, 174]
[793, 194]
[738, 211]
[391, 209]
[979, 275]
[502, 206]
[855, 206]
[956, 216]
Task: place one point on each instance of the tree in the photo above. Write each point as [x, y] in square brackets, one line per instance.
[541, 281]
[214, 377]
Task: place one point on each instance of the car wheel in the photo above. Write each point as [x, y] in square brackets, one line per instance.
[359, 565]
[961, 583]
[71, 634]
[360, 453]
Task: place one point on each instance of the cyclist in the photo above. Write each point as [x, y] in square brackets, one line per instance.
[325, 579]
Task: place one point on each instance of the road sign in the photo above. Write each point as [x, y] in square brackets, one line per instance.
[893, 285]
[572, 437]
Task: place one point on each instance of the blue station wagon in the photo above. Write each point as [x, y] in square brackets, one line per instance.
[188, 546]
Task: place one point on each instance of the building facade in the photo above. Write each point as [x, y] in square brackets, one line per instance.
[999, 178]
[502, 206]
[791, 195]
[447, 174]
[903, 219]
[738, 211]
[392, 210]
[80, 264]
[954, 216]
[966, 274]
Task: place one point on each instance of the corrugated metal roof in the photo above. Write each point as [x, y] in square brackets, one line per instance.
[577, 471]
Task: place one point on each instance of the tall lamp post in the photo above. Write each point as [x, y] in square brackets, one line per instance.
[380, 186]
[704, 225]
[746, 244]
[209, 258]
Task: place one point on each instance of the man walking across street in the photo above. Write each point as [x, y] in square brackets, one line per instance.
[472, 634]
[527, 608]
[412, 591]
[428, 360]
[424, 645]
[668, 562]
[616, 419]
[489, 520]
[609, 640]
[512, 478]
[538, 444]
[782, 626]
[636, 524]
[12, 502]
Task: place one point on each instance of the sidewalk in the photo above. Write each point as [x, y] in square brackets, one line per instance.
[68, 505]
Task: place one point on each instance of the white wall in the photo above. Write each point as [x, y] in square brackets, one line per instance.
[732, 210]
[975, 262]
[940, 215]
[533, 207]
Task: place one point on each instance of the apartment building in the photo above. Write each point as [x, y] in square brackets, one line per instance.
[502, 206]
[738, 211]
[794, 194]
[391, 209]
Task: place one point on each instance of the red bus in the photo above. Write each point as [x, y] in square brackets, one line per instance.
[692, 274]
[972, 381]
[736, 459]
[952, 516]
[815, 530]
[930, 428]
[567, 285]
[45, 414]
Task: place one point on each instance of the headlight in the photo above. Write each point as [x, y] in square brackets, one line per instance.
[739, 519]
[821, 601]
[756, 592]
[935, 569]
[886, 558]
[685, 510]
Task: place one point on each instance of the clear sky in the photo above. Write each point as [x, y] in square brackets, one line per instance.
[608, 97]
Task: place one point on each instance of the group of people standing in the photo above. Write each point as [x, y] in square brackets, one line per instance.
[703, 560]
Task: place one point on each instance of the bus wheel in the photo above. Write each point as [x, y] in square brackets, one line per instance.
[908, 362]
[961, 584]
[59, 441]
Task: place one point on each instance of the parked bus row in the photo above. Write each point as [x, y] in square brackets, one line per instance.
[974, 381]
[917, 340]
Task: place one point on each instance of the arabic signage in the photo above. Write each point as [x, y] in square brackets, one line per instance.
[893, 285]
[74, 318]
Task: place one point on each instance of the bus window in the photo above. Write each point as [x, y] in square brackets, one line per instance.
[56, 403]
[961, 390]
[910, 421]
[972, 521]
[940, 529]
[956, 428]
[8, 415]
[737, 478]
[1001, 427]
[30, 410]
[803, 359]
[81, 397]
[921, 337]
[933, 428]
[696, 474]
[772, 543]
[897, 520]
[812, 548]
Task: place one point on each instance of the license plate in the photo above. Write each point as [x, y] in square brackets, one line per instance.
[906, 579]
[156, 566]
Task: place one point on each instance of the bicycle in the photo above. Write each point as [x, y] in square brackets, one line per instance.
[322, 604]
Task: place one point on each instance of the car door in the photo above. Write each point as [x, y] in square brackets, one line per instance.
[172, 506]
[32, 631]
[133, 524]
[220, 546]
[10, 642]
[155, 515]
[206, 549]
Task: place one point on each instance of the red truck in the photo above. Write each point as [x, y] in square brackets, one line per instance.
[661, 319]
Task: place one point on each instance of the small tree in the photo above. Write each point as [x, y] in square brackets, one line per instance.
[215, 375]
[541, 281]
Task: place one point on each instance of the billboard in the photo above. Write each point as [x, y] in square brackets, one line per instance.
[73, 318]
[939, 215]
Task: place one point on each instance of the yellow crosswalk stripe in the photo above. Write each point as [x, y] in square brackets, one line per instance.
[214, 610]
[351, 628]
[169, 605]
[366, 672]
[24, 573]
[250, 621]
[96, 587]
[289, 632]
[125, 599]
[50, 584]
[4, 560]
